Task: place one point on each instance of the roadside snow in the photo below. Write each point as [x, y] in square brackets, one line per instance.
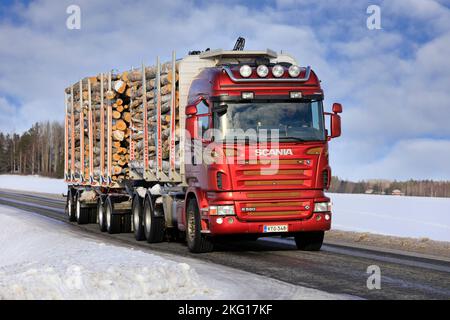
[32, 183]
[42, 258]
[416, 217]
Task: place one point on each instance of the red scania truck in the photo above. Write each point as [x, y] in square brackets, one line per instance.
[271, 185]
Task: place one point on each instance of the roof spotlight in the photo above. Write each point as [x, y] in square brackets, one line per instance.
[294, 71]
[262, 71]
[277, 71]
[245, 71]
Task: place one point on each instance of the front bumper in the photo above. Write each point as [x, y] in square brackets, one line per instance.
[231, 225]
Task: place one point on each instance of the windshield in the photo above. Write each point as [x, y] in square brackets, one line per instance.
[297, 121]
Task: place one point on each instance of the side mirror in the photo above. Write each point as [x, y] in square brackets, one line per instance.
[335, 125]
[337, 107]
[191, 110]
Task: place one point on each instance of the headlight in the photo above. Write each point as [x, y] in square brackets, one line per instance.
[262, 71]
[221, 210]
[245, 71]
[294, 71]
[277, 71]
[322, 206]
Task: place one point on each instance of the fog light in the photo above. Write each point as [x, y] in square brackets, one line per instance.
[318, 217]
[230, 220]
[327, 217]
[219, 220]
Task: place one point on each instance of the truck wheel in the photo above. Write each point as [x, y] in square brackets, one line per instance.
[70, 206]
[153, 225]
[112, 220]
[309, 241]
[196, 241]
[101, 215]
[82, 214]
[138, 224]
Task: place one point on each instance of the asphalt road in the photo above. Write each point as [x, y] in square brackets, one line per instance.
[336, 268]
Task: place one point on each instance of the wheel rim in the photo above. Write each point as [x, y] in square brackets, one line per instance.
[78, 209]
[136, 218]
[148, 219]
[108, 216]
[191, 225]
[100, 214]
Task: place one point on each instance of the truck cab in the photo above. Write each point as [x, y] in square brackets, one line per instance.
[256, 150]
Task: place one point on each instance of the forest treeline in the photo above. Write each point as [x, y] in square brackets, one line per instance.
[40, 150]
[425, 188]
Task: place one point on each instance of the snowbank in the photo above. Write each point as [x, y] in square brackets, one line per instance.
[417, 217]
[32, 183]
[45, 259]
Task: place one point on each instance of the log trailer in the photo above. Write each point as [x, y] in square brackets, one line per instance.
[261, 186]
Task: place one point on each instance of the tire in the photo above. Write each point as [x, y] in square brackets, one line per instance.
[70, 206]
[101, 215]
[153, 225]
[309, 241]
[137, 218]
[112, 220]
[196, 241]
[82, 214]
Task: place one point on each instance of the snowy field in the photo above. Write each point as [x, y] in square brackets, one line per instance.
[32, 183]
[417, 217]
[42, 258]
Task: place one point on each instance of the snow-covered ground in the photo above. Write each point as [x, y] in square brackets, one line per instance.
[41, 258]
[32, 183]
[416, 217]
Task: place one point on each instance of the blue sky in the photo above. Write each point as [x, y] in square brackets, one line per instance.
[394, 82]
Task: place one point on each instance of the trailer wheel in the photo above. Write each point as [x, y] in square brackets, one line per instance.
[82, 214]
[70, 206]
[153, 224]
[137, 212]
[112, 220]
[309, 241]
[101, 215]
[196, 241]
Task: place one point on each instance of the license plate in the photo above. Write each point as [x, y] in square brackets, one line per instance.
[277, 228]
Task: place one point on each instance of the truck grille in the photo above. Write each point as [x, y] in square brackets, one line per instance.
[282, 173]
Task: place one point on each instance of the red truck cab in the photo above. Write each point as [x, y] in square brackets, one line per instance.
[270, 178]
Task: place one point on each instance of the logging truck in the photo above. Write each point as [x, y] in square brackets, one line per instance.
[219, 143]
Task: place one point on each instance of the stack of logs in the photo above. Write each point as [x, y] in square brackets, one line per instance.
[124, 92]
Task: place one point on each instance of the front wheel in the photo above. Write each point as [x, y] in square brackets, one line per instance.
[196, 241]
[309, 241]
